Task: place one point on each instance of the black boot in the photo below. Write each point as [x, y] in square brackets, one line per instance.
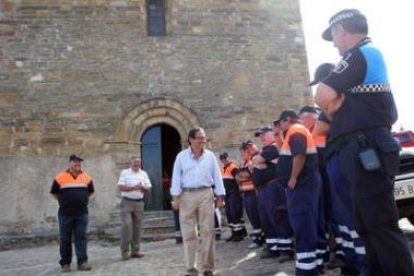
[244, 230]
[238, 236]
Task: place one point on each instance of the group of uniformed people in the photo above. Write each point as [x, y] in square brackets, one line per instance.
[317, 173]
[282, 192]
[328, 172]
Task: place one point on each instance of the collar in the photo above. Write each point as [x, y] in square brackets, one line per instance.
[364, 41]
[192, 155]
[361, 43]
[131, 170]
[226, 165]
[74, 176]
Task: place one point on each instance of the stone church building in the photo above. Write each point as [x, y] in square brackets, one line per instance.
[109, 79]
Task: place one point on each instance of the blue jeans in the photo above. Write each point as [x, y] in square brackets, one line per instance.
[76, 225]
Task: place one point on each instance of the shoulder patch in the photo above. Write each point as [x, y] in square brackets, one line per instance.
[340, 67]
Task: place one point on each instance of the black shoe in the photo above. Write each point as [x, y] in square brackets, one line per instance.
[208, 273]
[349, 271]
[334, 263]
[322, 271]
[244, 231]
[238, 236]
[218, 237]
[316, 274]
[285, 258]
[266, 254]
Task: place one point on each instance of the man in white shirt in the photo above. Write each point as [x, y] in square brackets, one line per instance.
[196, 173]
[132, 183]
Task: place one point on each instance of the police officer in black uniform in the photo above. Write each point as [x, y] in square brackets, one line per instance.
[357, 97]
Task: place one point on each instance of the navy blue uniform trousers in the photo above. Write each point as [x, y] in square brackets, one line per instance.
[252, 211]
[342, 216]
[274, 218]
[307, 220]
[234, 211]
[375, 211]
[75, 226]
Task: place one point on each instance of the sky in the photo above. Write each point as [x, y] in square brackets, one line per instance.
[389, 27]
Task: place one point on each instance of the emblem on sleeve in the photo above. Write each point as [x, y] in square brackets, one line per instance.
[340, 67]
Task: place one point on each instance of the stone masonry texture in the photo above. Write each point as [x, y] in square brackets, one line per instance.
[83, 76]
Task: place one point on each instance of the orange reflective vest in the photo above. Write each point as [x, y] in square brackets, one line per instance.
[247, 185]
[229, 181]
[67, 181]
[320, 140]
[73, 192]
[286, 156]
[294, 129]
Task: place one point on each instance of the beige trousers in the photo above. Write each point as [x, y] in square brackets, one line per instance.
[198, 208]
[132, 213]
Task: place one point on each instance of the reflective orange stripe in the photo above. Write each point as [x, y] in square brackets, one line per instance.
[66, 180]
[320, 140]
[226, 171]
[294, 129]
[246, 186]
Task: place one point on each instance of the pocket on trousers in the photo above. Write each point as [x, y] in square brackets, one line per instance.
[389, 152]
[377, 210]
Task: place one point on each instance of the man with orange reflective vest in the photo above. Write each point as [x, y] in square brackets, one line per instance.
[72, 189]
[309, 116]
[246, 188]
[233, 200]
[272, 199]
[298, 170]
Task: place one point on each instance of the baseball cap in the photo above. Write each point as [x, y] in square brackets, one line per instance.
[263, 129]
[287, 113]
[75, 157]
[224, 155]
[308, 109]
[245, 143]
[322, 72]
[352, 20]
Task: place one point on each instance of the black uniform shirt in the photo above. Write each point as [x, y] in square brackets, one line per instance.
[362, 76]
[261, 177]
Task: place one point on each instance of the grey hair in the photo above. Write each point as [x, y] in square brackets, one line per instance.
[132, 158]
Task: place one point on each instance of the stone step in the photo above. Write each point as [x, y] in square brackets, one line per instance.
[156, 225]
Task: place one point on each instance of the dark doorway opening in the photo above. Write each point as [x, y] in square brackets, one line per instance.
[160, 145]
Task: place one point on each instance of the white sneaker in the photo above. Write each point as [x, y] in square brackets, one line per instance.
[253, 245]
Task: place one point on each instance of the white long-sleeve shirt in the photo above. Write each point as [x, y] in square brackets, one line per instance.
[190, 172]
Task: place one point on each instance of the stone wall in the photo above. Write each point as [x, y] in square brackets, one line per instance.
[72, 71]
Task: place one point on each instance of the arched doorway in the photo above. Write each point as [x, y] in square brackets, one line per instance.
[160, 144]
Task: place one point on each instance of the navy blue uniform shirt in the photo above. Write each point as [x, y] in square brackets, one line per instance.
[261, 177]
[362, 76]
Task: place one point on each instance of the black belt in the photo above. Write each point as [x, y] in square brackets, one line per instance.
[133, 199]
[343, 140]
[195, 189]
